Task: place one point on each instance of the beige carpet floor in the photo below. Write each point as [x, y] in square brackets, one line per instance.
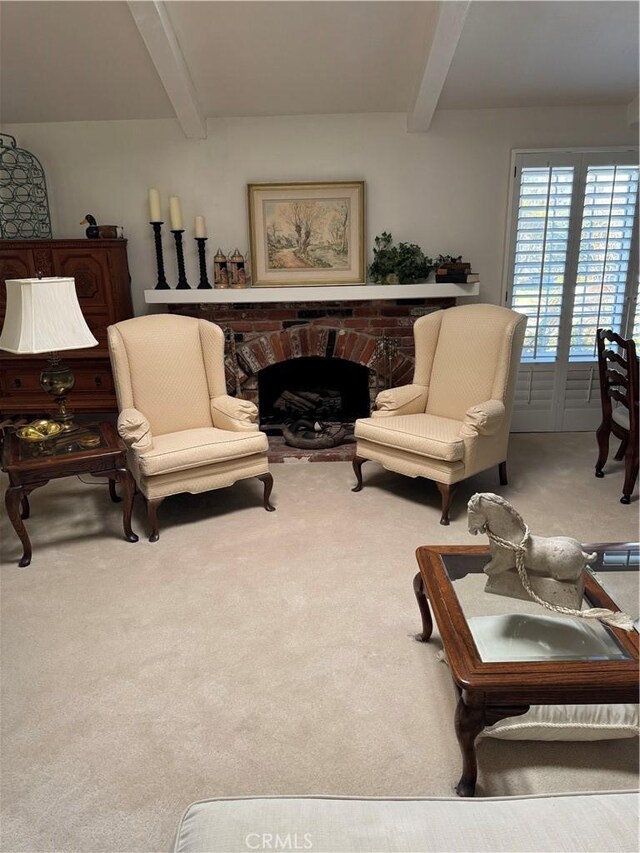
[256, 653]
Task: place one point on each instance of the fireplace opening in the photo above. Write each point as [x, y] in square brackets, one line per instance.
[312, 401]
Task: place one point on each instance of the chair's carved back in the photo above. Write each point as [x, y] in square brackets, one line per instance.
[475, 358]
[618, 370]
[168, 367]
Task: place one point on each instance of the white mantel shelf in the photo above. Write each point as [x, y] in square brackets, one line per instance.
[311, 293]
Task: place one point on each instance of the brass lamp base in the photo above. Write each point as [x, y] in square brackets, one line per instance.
[58, 380]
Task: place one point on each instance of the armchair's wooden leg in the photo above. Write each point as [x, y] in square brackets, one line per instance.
[445, 492]
[502, 473]
[267, 479]
[358, 462]
[152, 515]
[602, 435]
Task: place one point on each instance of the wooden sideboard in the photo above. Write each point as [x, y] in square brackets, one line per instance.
[101, 272]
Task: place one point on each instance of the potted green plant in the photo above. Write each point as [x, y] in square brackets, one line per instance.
[401, 264]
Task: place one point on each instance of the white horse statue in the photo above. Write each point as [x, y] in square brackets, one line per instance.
[548, 570]
[557, 556]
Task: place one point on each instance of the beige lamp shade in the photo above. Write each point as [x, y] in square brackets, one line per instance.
[43, 315]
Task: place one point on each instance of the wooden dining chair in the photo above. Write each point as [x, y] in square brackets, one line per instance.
[618, 368]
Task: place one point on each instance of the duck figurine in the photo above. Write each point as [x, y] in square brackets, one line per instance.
[92, 232]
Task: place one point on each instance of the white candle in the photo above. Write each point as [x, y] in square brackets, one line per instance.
[154, 205]
[200, 226]
[175, 212]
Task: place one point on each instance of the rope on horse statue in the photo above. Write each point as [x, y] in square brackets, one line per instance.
[603, 614]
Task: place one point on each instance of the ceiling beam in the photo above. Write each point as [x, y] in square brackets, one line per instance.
[448, 29]
[632, 111]
[158, 34]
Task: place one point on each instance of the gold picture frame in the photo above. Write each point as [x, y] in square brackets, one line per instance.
[304, 234]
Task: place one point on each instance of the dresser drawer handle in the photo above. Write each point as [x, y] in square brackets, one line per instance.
[98, 381]
[17, 383]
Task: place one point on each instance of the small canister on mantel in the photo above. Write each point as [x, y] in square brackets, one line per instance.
[237, 274]
[220, 270]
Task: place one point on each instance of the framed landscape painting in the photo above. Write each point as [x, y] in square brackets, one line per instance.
[306, 234]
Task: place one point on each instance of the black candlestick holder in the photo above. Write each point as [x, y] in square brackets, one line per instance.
[182, 284]
[162, 283]
[204, 280]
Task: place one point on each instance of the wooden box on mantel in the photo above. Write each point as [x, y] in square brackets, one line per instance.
[103, 284]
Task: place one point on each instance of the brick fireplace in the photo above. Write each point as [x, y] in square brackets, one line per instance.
[260, 335]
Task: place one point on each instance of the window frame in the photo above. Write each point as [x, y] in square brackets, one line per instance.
[551, 157]
[561, 371]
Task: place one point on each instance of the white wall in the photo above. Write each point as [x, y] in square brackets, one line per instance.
[446, 189]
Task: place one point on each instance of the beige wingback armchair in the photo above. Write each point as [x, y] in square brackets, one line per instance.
[453, 420]
[182, 430]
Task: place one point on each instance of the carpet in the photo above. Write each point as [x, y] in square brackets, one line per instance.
[253, 653]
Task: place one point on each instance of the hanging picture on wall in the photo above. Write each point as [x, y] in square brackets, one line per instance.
[307, 233]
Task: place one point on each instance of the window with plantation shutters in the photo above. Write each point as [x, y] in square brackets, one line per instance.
[572, 267]
[542, 234]
[606, 236]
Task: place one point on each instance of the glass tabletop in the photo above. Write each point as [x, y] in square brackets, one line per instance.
[512, 629]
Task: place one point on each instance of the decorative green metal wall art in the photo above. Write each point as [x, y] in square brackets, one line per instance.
[24, 206]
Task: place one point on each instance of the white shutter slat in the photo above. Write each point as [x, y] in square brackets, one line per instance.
[582, 407]
[533, 397]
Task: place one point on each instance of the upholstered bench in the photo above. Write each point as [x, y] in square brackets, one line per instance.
[570, 822]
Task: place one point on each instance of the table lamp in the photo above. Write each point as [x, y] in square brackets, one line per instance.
[43, 316]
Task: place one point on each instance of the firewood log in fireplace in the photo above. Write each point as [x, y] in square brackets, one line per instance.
[310, 435]
[321, 404]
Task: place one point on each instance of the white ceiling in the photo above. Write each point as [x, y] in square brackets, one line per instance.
[82, 61]
[275, 58]
[76, 61]
[545, 54]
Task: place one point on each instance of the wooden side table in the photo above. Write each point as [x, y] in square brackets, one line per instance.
[30, 466]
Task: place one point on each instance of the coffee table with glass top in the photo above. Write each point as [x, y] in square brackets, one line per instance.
[506, 654]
